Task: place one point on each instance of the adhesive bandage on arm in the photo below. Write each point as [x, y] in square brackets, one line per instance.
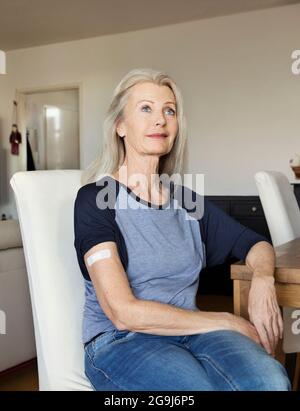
[98, 255]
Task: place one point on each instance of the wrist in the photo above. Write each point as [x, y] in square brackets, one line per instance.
[267, 276]
[228, 321]
[213, 321]
[267, 282]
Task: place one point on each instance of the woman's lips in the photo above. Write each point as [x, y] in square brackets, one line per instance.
[157, 135]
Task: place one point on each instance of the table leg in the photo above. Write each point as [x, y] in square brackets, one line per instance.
[241, 290]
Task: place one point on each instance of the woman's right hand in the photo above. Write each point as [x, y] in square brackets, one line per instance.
[242, 326]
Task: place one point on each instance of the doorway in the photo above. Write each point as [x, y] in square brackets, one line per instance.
[51, 127]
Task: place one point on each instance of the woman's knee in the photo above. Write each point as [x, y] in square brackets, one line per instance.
[269, 375]
[245, 363]
[275, 378]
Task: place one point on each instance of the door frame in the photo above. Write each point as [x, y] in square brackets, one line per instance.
[20, 96]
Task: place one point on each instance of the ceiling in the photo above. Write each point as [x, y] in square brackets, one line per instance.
[29, 23]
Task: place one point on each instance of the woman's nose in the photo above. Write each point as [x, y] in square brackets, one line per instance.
[160, 119]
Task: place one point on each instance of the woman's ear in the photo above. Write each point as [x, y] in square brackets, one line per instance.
[120, 129]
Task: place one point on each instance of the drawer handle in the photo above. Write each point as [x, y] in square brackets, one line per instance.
[254, 209]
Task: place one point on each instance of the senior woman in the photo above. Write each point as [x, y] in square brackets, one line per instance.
[141, 249]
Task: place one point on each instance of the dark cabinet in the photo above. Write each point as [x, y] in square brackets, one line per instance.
[248, 211]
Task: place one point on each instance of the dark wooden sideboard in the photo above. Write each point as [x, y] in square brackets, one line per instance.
[245, 209]
[249, 212]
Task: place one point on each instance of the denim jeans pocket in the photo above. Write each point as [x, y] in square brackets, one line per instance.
[109, 338]
[122, 335]
[101, 341]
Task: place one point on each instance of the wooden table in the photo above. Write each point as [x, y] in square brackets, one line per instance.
[287, 278]
[287, 283]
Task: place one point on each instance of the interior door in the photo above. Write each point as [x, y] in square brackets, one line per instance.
[62, 138]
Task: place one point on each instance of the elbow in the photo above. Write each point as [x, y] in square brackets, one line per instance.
[120, 325]
[125, 318]
[117, 320]
[260, 252]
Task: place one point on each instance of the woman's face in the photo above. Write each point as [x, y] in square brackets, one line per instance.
[150, 110]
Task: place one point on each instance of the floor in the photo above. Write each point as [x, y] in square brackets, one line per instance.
[26, 378]
[23, 379]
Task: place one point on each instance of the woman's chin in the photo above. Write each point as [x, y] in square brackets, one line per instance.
[156, 152]
[157, 148]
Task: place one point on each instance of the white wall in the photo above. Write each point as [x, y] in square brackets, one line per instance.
[241, 98]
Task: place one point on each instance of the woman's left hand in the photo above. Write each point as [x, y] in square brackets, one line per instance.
[264, 312]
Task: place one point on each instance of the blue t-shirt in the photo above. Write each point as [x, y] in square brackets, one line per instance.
[162, 248]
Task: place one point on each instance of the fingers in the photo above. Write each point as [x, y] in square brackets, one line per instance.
[276, 332]
[270, 333]
[280, 324]
[279, 321]
[273, 331]
[254, 335]
[268, 322]
[264, 337]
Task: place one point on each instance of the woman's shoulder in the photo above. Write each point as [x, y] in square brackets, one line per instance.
[101, 193]
[106, 182]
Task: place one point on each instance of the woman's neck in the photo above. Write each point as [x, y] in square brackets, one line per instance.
[144, 183]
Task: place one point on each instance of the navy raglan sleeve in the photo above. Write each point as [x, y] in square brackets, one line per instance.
[224, 237]
[92, 225]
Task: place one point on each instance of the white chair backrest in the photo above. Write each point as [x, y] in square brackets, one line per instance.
[45, 204]
[280, 206]
[283, 217]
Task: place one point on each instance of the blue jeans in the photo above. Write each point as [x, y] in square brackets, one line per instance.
[213, 361]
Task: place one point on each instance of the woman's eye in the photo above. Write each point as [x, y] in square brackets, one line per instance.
[169, 110]
[146, 107]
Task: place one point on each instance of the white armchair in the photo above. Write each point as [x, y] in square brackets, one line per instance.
[283, 218]
[45, 202]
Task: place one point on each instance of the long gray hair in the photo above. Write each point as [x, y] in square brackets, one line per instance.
[113, 152]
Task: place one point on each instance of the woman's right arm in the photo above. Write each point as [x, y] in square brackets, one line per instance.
[126, 312]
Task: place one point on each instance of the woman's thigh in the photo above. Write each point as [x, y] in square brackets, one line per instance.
[232, 358]
[127, 361]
